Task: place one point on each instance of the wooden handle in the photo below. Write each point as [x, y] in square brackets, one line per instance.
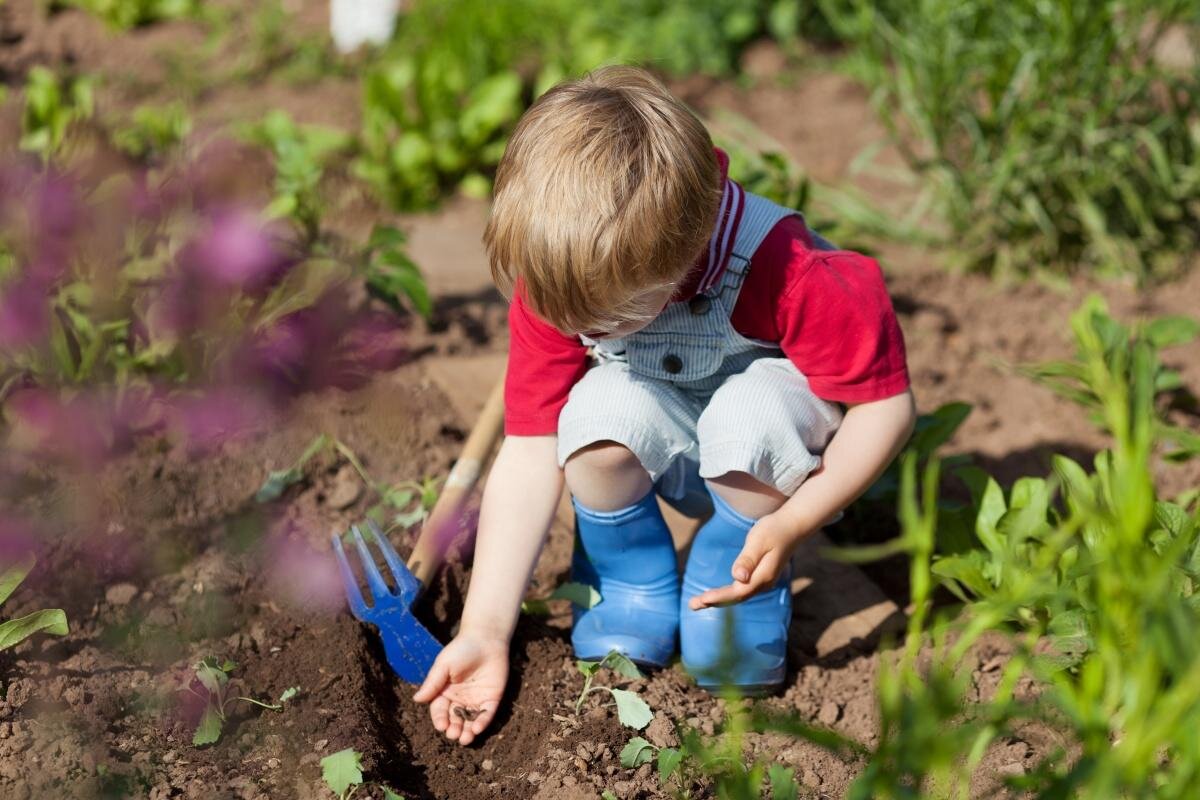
[443, 520]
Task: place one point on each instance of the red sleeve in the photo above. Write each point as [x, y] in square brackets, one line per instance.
[543, 365]
[836, 323]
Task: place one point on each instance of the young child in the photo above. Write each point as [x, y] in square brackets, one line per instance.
[673, 335]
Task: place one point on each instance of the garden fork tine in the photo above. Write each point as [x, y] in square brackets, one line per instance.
[410, 648]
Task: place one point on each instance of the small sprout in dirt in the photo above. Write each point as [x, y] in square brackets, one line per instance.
[631, 709]
[400, 496]
[783, 782]
[342, 772]
[279, 480]
[580, 594]
[608, 795]
[213, 675]
[639, 751]
[50, 620]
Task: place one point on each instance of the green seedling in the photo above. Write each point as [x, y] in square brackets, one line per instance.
[342, 773]
[52, 105]
[413, 500]
[632, 710]
[153, 131]
[408, 502]
[580, 594]
[1122, 349]
[15, 631]
[391, 274]
[279, 480]
[213, 676]
[126, 14]
[302, 153]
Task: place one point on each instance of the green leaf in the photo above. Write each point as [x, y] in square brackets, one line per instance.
[288, 694]
[631, 709]
[588, 668]
[535, 607]
[668, 761]
[212, 676]
[12, 577]
[636, 753]
[341, 770]
[1169, 331]
[783, 782]
[388, 794]
[619, 662]
[580, 594]
[275, 484]
[607, 795]
[991, 509]
[209, 729]
[52, 620]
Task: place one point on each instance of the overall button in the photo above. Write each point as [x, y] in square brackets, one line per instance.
[672, 363]
[700, 304]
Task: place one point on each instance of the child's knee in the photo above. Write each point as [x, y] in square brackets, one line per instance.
[606, 475]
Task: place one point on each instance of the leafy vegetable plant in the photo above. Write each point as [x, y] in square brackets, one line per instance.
[342, 772]
[301, 153]
[1051, 136]
[126, 14]
[213, 676]
[153, 131]
[15, 631]
[53, 104]
[631, 709]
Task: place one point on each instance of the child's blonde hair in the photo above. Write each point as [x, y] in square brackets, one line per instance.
[608, 189]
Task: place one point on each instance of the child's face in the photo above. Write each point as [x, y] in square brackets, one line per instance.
[650, 304]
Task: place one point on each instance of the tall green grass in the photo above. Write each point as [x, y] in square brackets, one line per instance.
[1051, 135]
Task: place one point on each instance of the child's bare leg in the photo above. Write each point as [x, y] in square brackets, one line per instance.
[606, 476]
[746, 494]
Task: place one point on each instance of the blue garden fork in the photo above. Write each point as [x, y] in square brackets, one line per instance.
[409, 646]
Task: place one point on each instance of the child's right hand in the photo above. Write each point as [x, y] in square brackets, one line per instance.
[464, 686]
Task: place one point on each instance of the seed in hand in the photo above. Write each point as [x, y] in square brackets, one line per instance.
[465, 713]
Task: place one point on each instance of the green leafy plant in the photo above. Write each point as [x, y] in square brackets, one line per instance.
[402, 504]
[631, 709]
[301, 154]
[125, 14]
[213, 676]
[53, 104]
[1123, 349]
[1092, 583]
[1050, 136]
[342, 773]
[153, 130]
[15, 631]
[580, 594]
[391, 274]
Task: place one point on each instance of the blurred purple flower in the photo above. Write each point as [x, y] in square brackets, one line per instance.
[85, 429]
[323, 346]
[18, 539]
[24, 313]
[301, 575]
[236, 250]
[218, 415]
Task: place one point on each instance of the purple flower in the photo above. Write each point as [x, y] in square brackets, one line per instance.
[236, 251]
[302, 576]
[218, 415]
[24, 313]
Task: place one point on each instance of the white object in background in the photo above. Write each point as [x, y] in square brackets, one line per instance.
[355, 22]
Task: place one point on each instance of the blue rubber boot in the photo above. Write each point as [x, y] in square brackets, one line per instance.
[628, 556]
[742, 645]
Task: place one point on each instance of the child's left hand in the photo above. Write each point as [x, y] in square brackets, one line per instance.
[769, 545]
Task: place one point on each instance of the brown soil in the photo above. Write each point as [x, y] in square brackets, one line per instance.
[169, 560]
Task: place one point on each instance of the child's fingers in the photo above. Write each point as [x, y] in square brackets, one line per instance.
[486, 712]
[434, 682]
[454, 729]
[733, 593]
[748, 560]
[439, 712]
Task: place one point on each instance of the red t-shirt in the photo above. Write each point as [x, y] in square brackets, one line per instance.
[828, 310]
